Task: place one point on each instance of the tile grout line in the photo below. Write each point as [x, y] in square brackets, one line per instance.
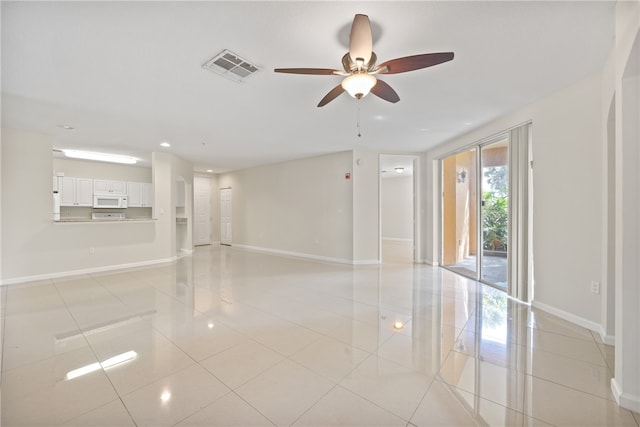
[413, 414]
[196, 362]
[541, 378]
[604, 357]
[96, 358]
[337, 384]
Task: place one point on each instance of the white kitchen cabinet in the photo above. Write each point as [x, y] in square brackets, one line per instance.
[147, 194]
[75, 191]
[107, 186]
[139, 194]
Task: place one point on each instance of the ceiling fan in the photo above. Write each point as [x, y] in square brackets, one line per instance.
[360, 66]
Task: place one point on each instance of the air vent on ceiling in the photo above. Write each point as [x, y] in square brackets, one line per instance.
[231, 66]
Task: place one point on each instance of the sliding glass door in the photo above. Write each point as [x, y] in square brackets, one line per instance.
[494, 187]
[485, 212]
[475, 212]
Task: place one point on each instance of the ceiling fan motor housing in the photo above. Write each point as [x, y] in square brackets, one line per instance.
[351, 66]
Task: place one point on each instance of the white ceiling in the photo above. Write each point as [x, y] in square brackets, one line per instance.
[127, 75]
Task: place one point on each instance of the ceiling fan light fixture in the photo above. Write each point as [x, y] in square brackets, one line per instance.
[359, 85]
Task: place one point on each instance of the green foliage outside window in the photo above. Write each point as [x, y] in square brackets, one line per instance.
[495, 209]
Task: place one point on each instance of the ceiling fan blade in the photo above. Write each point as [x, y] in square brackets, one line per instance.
[315, 71]
[384, 91]
[333, 94]
[415, 62]
[360, 39]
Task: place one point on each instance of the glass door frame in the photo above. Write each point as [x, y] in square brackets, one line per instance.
[477, 147]
[520, 282]
[498, 138]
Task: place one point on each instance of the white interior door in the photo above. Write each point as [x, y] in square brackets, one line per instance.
[202, 211]
[225, 216]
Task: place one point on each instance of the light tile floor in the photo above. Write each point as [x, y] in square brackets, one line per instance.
[230, 337]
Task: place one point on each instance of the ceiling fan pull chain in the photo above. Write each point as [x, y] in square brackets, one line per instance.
[358, 122]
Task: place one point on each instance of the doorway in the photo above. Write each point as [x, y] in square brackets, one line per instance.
[202, 210]
[397, 208]
[475, 185]
[225, 216]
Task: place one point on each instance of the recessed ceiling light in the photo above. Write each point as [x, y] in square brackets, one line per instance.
[165, 144]
[101, 157]
[210, 170]
[397, 325]
[399, 170]
[66, 127]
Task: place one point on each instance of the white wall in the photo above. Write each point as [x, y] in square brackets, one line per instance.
[167, 169]
[397, 208]
[35, 247]
[366, 210]
[567, 192]
[302, 207]
[101, 170]
[626, 59]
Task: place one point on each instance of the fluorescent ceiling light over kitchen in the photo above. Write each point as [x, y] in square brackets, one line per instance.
[101, 157]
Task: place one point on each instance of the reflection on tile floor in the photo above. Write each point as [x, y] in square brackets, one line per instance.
[230, 337]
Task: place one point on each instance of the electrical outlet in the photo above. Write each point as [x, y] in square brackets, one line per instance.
[595, 287]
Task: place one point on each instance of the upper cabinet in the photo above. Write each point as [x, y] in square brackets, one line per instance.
[75, 191]
[139, 194]
[80, 191]
[104, 186]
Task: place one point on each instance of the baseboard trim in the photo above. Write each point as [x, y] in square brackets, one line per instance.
[431, 262]
[305, 255]
[624, 400]
[570, 317]
[397, 239]
[607, 339]
[366, 262]
[71, 273]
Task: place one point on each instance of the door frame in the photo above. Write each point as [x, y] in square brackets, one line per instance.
[520, 258]
[196, 204]
[222, 242]
[417, 242]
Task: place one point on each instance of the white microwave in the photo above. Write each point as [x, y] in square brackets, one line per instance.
[109, 201]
